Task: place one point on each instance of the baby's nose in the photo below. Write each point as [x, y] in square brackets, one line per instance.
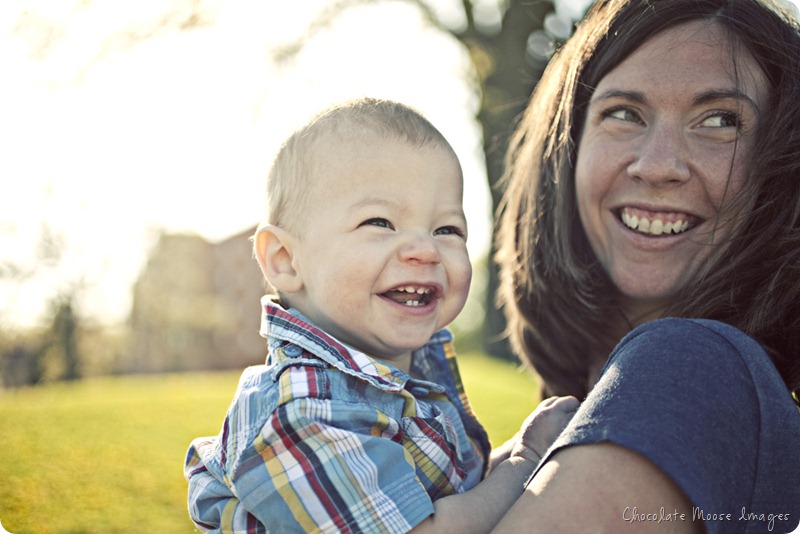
[420, 248]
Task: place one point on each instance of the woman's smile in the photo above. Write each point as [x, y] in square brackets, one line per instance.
[663, 152]
[656, 223]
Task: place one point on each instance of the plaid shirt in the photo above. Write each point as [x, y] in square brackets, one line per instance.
[325, 438]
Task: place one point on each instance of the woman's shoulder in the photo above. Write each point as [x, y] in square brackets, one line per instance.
[710, 365]
[698, 351]
[704, 402]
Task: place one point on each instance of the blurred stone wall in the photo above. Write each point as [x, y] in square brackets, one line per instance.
[196, 306]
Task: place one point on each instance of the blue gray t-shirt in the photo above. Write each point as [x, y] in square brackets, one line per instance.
[703, 402]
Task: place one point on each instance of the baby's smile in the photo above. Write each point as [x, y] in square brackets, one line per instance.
[411, 295]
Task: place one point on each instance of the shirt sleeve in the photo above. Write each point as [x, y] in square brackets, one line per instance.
[212, 505]
[313, 467]
[680, 393]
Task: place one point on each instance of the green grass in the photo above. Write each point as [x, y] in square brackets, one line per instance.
[106, 454]
[501, 393]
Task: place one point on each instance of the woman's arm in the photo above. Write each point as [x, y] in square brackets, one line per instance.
[685, 403]
[600, 488]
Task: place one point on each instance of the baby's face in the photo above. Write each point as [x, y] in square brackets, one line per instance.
[382, 249]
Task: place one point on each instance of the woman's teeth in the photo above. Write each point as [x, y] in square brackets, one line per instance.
[654, 226]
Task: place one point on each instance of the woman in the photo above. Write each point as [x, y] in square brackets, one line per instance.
[655, 174]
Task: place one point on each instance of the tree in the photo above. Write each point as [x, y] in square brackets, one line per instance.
[25, 362]
[64, 336]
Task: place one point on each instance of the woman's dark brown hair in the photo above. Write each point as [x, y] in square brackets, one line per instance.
[561, 306]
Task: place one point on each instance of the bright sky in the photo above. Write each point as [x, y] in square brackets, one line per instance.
[107, 139]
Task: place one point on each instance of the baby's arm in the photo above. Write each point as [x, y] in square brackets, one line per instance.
[539, 429]
[479, 509]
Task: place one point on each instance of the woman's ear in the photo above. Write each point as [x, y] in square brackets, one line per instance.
[273, 248]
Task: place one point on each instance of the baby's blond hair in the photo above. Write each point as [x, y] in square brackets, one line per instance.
[296, 164]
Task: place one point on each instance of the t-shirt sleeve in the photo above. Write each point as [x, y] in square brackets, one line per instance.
[309, 469]
[680, 394]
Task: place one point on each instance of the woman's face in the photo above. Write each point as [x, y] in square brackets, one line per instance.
[664, 149]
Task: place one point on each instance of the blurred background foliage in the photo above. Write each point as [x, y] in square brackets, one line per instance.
[195, 302]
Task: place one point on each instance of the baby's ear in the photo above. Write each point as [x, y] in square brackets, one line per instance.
[273, 248]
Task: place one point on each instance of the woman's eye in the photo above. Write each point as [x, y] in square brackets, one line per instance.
[449, 230]
[377, 221]
[724, 119]
[623, 114]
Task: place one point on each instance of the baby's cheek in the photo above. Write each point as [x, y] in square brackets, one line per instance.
[459, 281]
[461, 278]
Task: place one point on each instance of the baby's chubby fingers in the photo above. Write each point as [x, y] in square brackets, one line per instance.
[568, 404]
[551, 416]
[541, 427]
[559, 411]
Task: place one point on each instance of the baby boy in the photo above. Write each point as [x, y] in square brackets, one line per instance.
[358, 421]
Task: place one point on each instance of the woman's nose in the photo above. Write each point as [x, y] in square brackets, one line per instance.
[661, 157]
[420, 249]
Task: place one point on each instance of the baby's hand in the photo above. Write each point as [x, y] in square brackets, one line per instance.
[541, 428]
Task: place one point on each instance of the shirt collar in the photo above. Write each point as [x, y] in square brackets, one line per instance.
[281, 327]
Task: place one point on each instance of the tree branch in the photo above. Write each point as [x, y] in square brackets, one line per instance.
[331, 12]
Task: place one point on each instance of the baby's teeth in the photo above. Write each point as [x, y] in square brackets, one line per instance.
[416, 290]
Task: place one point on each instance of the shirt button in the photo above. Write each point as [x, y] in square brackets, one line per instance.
[293, 351]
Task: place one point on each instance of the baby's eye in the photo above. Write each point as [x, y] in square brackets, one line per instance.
[449, 230]
[378, 221]
[722, 119]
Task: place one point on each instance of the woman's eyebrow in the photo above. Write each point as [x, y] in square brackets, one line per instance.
[725, 94]
[705, 97]
[634, 96]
